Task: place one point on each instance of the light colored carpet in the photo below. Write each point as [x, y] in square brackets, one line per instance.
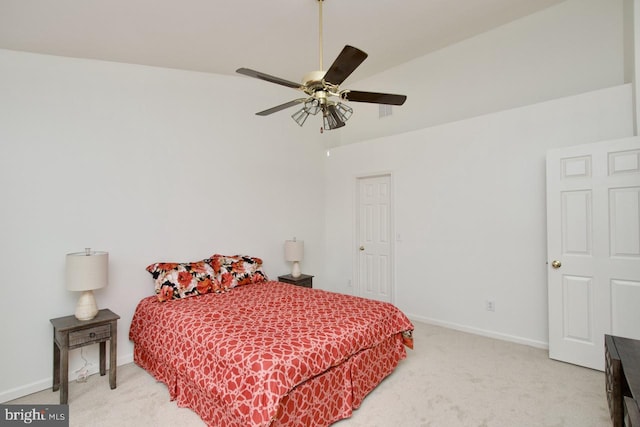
[451, 379]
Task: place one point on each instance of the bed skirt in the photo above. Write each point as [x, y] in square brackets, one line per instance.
[318, 402]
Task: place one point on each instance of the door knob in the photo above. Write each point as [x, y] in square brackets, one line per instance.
[362, 248]
[556, 264]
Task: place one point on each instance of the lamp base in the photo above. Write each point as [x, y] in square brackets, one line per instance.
[295, 270]
[86, 308]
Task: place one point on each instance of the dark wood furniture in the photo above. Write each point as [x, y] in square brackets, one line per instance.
[622, 373]
[70, 333]
[303, 280]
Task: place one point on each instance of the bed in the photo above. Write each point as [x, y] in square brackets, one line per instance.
[265, 353]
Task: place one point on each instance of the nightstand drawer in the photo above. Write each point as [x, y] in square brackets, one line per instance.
[95, 334]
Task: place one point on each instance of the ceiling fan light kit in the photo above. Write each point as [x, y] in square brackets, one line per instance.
[321, 85]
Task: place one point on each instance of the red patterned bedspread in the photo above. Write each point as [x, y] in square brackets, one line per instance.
[254, 344]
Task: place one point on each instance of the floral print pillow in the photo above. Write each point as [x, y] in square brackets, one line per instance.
[237, 270]
[181, 280]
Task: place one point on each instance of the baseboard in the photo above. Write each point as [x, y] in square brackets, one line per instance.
[34, 387]
[481, 332]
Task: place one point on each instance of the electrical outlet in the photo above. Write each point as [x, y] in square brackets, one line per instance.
[490, 305]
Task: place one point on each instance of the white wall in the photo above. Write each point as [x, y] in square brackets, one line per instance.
[467, 157]
[574, 47]
[148, 164]
[470, 210]
[632, 52]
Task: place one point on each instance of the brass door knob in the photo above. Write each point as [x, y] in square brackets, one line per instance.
[556, 264]
[362, 248]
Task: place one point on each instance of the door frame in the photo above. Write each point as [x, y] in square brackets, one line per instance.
[356, 232]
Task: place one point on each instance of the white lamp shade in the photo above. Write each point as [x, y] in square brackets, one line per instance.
[293, 250]
[87, 270]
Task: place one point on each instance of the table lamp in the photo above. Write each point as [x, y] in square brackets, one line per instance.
[87, 271]
[293, 252]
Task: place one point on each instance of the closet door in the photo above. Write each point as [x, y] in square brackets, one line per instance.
[374, 251]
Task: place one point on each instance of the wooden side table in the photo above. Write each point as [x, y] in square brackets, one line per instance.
[303, 280]
[622, 379]
[70, 333]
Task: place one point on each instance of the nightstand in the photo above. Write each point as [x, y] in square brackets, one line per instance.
[70, 333]
[303, 280]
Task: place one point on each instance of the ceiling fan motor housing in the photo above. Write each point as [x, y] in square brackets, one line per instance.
[313, 78]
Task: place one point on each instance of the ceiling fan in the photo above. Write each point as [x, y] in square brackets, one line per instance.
[320, 86]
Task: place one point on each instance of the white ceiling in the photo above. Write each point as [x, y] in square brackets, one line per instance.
[278, 37]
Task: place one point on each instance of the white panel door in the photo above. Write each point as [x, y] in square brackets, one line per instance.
[593, 240]
[374, 238]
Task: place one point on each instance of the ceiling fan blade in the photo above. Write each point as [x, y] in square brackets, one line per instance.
[346, 62]
[373, 97]
[268, 78]
[281, 107]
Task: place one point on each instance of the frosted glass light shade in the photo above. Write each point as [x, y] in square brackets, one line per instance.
[294, 252]
[85, 272]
